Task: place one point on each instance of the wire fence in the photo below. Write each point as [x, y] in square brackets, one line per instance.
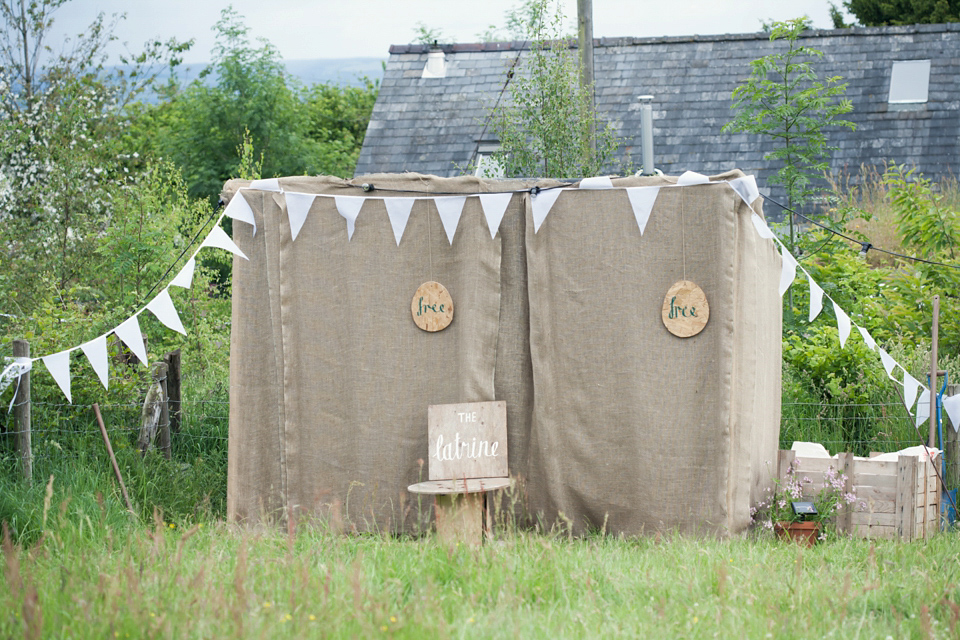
[69, 432]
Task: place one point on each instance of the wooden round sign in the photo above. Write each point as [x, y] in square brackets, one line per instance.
[432, 307]
[685, 309]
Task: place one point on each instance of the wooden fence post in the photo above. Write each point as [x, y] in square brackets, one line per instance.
[173, 389]
[163, 429]
[21, 349]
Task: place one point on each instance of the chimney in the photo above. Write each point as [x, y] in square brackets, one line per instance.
[646, 134]
[436, 66]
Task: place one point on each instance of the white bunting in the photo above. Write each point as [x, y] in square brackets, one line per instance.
[761, 227]
[541, 203]
[598, 182]
[746, 188]
[888, 363]
[218, 238]
[266, 184]
[185, 277]
[789, 271]
[13, 371]
[641, 200]
[59, 367]
[923, 408]
[816, 299]
[867, 338]
[494, 206]
[952, 406]
[349, 208]
[911, 386]
[691, 178]
[129, 334]
[298, 206]
[239, 209]
[843, 324]
[398, 210]
[162, 307]
[450, 208]
[96, 352]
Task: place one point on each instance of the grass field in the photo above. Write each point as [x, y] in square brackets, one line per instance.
[86, 579]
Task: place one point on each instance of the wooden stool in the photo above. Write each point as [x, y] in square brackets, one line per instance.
[459, 507]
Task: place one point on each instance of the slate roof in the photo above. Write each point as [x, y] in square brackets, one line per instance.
[434, 125]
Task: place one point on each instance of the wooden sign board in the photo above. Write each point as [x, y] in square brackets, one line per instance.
[467, 440]
[685, 310]
[432, 307]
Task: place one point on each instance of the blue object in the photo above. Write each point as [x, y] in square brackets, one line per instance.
[946, 506]
[949, 498]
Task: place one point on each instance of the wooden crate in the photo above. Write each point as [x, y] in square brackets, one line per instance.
[901, 499]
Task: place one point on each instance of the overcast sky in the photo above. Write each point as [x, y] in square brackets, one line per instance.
[308, 29]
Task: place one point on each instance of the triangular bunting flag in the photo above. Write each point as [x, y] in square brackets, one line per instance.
[761, 227]
[349, 207]
[599, 182]
[952, 406]
[298, 206]
[185, 277]
[450, 208]
[59, 367]
[96, 352]
[843, 324]
[239, 209]
[641, 200]
[129, 334]
[541, 203]
[398, 210]
[494, 206]
[162, 307]
[911, 386]
[923, 408]
[816, 299]
[888, 363]
[746, 188]
[266, 184]
[218, 238]
[867, 338]
[789, 271]
[692, 177]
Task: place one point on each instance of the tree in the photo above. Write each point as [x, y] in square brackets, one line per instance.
[878, 13]
[61, 162]
[294, 130]
[544, 128]
[785, 101]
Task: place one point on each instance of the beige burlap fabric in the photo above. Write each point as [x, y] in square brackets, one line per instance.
[611, 419]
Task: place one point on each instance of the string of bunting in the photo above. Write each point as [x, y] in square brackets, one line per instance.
[449, 208]
[128, 331]
[914, 392]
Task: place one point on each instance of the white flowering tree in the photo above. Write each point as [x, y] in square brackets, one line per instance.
[62, 159]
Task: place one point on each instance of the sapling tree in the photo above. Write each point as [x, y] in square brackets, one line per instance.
[544, 127]
[785, 101]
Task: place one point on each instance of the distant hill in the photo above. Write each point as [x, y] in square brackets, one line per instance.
[340, 71]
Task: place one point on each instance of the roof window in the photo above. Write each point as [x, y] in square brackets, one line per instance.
[909, 82]
[487, 165]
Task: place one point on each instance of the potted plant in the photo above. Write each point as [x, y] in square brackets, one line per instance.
[790, 515]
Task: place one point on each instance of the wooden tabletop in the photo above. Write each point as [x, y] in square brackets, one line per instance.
[470, 485]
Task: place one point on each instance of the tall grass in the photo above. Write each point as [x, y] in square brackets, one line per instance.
[218, 581]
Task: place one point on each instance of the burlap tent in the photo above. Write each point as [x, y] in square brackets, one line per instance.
[612, 420]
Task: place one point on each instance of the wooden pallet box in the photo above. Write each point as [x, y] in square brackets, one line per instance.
[895, 499]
